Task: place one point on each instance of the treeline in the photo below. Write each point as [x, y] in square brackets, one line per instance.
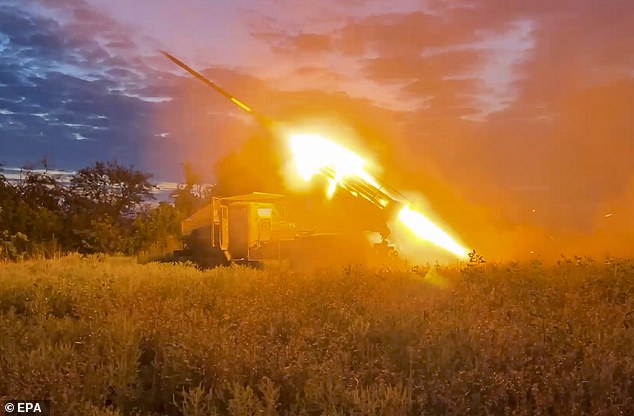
[104, 208]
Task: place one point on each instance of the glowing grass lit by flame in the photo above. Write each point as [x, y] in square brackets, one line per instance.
[314, 154]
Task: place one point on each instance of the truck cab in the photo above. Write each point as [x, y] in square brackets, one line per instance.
[243, 228]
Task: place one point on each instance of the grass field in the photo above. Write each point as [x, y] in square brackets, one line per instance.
[106, 336]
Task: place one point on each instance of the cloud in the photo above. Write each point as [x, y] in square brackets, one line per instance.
[73, 87]
[430, 45]
[309, 43]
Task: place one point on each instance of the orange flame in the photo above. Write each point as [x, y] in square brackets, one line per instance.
[423, 228]
[314, 154]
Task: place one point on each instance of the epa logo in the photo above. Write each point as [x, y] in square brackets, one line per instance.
[27, 407]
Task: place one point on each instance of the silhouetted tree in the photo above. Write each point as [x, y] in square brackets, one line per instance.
[101, 206]
[104, 209]
[109, 188]
[191, 194]
[155, 227]
[31, 210]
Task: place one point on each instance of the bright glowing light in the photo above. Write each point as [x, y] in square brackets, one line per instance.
[314, 154]
[425, 229]
[241, 105]
[332, 187]
[264, 212]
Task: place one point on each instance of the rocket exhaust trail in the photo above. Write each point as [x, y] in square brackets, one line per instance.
[264, 121]
[209, 83]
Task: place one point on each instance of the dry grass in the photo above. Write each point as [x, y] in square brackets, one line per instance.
[105, 336]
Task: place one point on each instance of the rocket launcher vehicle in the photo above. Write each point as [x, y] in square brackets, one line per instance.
[345, 170]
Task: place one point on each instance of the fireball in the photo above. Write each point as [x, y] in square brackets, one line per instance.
[314, 155]
[423, 228]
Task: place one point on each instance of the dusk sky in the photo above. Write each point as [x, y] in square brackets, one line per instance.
[514, 114]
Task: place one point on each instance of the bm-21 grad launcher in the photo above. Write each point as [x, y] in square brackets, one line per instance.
[356, 180]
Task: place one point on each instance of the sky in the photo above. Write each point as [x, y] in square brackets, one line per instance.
[513, 119]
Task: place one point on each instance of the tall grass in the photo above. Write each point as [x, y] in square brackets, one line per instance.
[106, 336]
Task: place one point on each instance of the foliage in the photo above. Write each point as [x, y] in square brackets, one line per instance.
[192, 194]
[33, 207]
[104, 336]
[156, 227]
[109, 189]
[13, 246]
[100, 211]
